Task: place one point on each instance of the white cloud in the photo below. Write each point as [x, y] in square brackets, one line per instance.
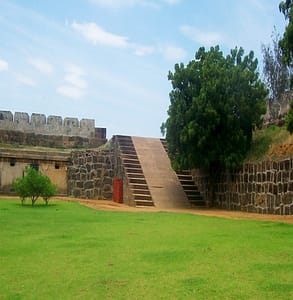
[3, 65]
[203, 37]
[42, 65]
[25, 80]
[70, 91]
[75, 85]
[141, 50]
[171, 2]
[97, 35]
[173, 53]
[116, 4]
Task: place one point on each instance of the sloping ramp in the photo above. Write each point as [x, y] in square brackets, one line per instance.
[162, 181]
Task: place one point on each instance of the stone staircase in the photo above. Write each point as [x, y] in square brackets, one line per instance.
[192, 193]
[133, 171]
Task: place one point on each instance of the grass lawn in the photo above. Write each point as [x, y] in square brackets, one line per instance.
[67, 251]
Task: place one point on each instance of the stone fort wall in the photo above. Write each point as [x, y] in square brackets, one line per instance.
[51, 131]
[90, 174]
[264, 187]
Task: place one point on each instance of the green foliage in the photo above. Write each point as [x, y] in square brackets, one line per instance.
[286, 43]
[216, 102]
[289, 119]
[34, 185]
[195, 257]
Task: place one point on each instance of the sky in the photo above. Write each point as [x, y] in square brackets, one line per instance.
[108, 60]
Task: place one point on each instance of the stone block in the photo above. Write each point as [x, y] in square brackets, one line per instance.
[21, 119]
[55, 122]
[71, 123]
[89, 194]
[76, 193]
[38, 120]
[6, 116]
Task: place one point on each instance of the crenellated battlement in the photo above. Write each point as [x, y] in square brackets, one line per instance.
[38, 124]
[51, 125]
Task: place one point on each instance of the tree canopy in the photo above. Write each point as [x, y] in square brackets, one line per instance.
[286, 43]
[216, 101]
[286, 7]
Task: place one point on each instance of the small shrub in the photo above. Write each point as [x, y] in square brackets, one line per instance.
[34, 185]
[289, 119]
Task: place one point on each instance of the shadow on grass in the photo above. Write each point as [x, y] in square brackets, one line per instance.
[37, 205]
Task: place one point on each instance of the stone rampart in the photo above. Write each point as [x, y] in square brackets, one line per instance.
[264, 187]
[91, 174]
[51, 131]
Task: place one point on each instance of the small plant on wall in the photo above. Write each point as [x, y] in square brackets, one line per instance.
[34, 185]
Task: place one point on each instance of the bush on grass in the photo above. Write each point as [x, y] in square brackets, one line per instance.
[34, 185]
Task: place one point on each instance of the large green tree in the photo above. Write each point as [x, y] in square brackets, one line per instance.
[216, 102]
[286, 7]
[286, 43]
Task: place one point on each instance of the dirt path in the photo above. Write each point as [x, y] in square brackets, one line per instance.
[112, 206]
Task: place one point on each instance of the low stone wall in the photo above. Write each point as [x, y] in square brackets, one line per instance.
[265, 187]
[91, 174]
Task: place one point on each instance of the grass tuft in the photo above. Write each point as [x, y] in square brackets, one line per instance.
[268, 143]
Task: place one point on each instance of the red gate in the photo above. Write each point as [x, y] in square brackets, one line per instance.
[118, 190]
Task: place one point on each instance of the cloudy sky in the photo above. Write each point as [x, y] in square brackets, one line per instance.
[108, 60]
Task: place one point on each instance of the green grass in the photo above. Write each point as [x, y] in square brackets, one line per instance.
[265, 138]
[67, 251]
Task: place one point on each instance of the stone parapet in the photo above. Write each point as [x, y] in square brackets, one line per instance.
[52, 131]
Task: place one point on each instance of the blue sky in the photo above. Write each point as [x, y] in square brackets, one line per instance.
[108, 60]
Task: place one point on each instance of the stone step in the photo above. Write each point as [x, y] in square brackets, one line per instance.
[190, 189]
[122, 138]
[184, 172]
[135, 175]
[194, 194]
[137, 180]
[187, 183]
[131, 152]
[133, 170]
[142, 197]
[141, 192]
[194, 197]
[140, 203]
[126, 146]
[138, 186]
[128, 156]
[131, 161]
[184, 177]
[132, 166]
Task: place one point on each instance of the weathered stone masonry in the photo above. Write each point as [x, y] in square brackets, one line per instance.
[51, 131]
[91, 174]
[264, 187]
